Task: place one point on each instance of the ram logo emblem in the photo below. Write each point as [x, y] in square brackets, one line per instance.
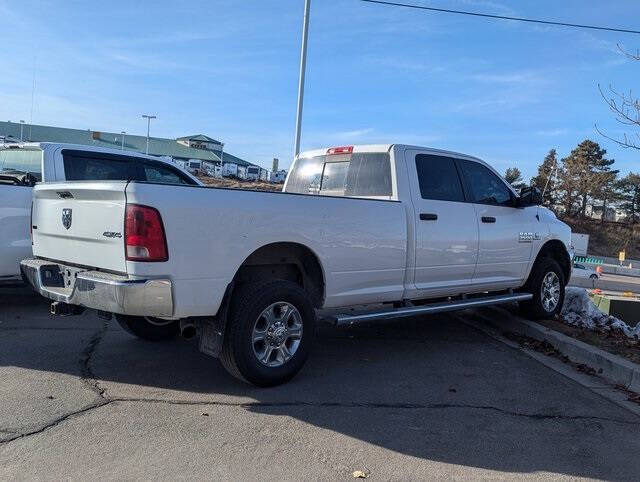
[66, 218]
[526, 237]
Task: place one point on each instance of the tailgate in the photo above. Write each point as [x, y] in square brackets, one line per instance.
[81, 223]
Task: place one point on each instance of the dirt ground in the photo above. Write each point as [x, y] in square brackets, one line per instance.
[240, 184]
[613, 342]
[616, 343]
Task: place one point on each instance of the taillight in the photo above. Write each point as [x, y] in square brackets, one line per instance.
[340, 150]
[144, 238]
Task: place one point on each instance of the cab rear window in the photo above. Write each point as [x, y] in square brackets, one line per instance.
[21, 161]
[350, 175]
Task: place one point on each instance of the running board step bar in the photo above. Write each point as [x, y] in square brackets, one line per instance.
[348, 319]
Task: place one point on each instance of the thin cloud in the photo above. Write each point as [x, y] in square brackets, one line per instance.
[355, 134]
[508, 78]
[552, 132]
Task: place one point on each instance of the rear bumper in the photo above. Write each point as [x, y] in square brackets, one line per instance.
[99, 290]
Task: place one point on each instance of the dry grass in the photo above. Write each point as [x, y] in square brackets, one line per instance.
[608, 238]
[239, 184]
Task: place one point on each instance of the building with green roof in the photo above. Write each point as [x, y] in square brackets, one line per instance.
[199, 146]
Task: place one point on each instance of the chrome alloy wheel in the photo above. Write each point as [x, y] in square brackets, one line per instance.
[550, 291]
[277, 334]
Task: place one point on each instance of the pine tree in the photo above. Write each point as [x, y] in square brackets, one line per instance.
[629, 188]
[546, 178]
[583, 173]
[514, 177]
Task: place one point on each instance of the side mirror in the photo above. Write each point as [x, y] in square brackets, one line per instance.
[529, 196]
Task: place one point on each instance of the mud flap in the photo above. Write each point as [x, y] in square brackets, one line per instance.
[212, 329]
[211, 337]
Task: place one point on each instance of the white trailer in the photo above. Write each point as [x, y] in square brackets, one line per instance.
[242, 172]
[279, 176]
[253, 173]
[580, 243]
[230, 169]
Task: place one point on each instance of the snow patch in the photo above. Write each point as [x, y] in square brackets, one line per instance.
[578, 310]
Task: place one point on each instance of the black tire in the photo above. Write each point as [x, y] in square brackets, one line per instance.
[150, 329]
[535, 309]
[248, 303]
[594, 276]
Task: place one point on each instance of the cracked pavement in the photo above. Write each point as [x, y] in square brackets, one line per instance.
[428, 397]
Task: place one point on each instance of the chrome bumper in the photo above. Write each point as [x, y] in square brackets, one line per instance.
[99, 290]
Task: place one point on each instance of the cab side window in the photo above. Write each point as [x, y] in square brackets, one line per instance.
[438, 178]
[484, 186]
[160, 174]
[95, 166]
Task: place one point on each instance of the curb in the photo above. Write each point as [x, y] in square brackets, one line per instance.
[609, 366]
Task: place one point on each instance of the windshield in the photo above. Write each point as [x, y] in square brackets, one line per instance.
[24, 161]
[353, 175]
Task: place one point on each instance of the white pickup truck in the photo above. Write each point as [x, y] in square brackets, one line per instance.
[23, 165]
[395, 230]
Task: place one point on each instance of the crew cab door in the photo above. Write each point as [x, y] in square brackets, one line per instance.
[446, 227]
[505, 231]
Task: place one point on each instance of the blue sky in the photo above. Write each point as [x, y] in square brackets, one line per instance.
[504, 91]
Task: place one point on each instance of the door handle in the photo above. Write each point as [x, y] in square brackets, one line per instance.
[488, 219]
[428, 217]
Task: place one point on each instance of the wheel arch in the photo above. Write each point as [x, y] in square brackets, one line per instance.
[285, 260]
[556, 250]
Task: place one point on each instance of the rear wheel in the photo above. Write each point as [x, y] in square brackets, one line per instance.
[269, 332]
[149, 328]
[547, 285]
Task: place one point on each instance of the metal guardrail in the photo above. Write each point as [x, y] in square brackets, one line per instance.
[587, 260]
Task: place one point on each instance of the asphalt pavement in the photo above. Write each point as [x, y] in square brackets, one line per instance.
[609, 282]
[428, 397]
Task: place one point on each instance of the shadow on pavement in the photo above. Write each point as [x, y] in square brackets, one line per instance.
[428, 387]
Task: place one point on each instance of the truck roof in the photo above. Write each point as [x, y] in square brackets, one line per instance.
[80, 147]
[387, 148]
[52, 146]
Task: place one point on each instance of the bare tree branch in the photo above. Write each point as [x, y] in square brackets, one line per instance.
[625, 142]
[635, 56]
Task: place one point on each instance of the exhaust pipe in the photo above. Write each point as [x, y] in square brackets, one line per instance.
[188, 329]
[60, 308]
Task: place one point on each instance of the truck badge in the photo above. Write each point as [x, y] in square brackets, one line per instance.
[66, 218]
[526, 237]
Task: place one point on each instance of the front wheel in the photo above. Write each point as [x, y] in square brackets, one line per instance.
[149, 328]
[269, 333]
[547, 285]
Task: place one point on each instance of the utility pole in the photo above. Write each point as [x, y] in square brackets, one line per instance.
[21, 127]
[148, 117]
[123, 133]
[303, 67]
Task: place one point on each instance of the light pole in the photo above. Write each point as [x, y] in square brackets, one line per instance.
[148, 117]
[303, 67]
[21, 126]
[123, 133]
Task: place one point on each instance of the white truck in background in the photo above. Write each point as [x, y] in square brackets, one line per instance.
[399, 229]
[25, 164]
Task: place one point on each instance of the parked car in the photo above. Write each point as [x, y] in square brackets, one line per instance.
[24, 165]
[582, 271]
[417, 230]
